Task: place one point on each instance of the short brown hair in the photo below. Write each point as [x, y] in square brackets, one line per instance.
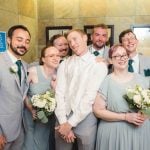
[123, 33]
[53, 38]
[15, 27]
[102, 25]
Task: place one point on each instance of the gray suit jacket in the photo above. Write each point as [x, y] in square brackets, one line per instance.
[11, 98]
[144, 68]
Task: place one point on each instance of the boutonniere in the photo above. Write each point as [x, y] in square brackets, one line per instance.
[147, 72]
[14, 68]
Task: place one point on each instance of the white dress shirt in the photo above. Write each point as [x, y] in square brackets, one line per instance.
[78, 80]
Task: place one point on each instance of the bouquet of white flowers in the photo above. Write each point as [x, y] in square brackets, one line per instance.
[45, 105]
[138, 99]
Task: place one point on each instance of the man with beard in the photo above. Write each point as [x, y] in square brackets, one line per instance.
[13, 88]
[99, 38]
[61, 43]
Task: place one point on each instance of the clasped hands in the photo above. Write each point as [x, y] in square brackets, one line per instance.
[136, 118]
[66, 132]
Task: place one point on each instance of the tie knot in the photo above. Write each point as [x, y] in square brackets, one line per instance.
[96, 53]
[18, 62]
[130, 61]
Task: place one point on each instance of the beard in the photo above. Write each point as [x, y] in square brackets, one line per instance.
[98, 46]
[16, 51]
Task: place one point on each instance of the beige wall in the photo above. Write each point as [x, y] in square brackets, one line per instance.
[77, 13]
[37, 14]
[24, 12]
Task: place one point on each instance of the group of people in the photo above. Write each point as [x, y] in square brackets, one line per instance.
[91, 113]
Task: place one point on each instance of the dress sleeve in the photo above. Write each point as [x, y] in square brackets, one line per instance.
[103, 89]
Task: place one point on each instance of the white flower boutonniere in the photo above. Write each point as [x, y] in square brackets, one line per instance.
[14, 68]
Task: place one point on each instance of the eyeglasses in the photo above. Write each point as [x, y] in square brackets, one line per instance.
[128, 39]
[119, 57]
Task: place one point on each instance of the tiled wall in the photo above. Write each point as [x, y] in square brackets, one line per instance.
[24, 12]
[77, 13]
[37, 14]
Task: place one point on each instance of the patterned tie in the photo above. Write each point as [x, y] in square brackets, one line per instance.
[18, 63]
[96, 53]
[130, 67]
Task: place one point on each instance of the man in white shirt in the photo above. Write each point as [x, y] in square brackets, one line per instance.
[78, 79]
[140, 63]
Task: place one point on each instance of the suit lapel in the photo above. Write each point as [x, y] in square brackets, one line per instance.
[141, 65]
[9, 63]
[25, 83]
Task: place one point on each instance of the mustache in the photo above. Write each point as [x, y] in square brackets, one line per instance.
[22, 47]
[63, 50]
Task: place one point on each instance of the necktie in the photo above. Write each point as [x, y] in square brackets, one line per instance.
[96, 53]
[18, 63]
[130, 67]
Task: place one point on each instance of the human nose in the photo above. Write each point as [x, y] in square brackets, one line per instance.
[72, 43]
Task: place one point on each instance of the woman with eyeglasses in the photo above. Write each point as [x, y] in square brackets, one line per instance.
[120, 128]
[42, 78]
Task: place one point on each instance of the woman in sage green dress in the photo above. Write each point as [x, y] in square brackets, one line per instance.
[120, 127]
[41, 78]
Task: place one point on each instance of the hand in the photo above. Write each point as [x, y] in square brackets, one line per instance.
[70, 137]
[64, 129]
[2, 142]
[135, 118]
[34, 114]
[53, 82]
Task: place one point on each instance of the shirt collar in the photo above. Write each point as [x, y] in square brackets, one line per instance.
[135, 58]
[12, 57]
[86, 56]
[101, 51]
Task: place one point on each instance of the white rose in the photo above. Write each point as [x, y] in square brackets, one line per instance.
[40, 103]
[14, 68]
[137, 99]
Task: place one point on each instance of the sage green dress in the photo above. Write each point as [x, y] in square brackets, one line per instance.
[121, 135]
[36, 133]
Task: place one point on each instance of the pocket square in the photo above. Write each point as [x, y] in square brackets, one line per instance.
[147, 72]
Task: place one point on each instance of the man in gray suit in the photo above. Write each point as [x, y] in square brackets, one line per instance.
[139, 63]
[13, 88]
[99, 38]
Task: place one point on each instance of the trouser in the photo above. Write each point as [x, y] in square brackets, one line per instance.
[85, 133]
[17, 143]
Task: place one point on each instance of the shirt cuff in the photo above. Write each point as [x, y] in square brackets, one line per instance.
[62, 120]
[73, 121]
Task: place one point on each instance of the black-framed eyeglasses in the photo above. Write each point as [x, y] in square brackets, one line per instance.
[119, 57]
